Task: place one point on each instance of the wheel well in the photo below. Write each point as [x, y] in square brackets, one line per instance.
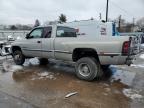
[84, 52]
[14, 48]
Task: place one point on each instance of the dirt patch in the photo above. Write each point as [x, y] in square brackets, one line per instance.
[34, 85]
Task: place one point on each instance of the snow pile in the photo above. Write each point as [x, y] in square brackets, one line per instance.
[138, 65]
[44, 75]
[33, 61]
[125, 77]
[11, 68]
[142, 56]
[15, 68]
[133, 94]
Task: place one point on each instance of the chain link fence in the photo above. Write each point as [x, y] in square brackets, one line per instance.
[15, 34]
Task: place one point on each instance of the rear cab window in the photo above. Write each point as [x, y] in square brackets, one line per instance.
[65, 32]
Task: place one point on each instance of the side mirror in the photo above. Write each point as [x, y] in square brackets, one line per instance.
[27, 36]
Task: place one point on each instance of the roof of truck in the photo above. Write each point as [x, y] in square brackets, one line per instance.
[75, 23]
[82, 22]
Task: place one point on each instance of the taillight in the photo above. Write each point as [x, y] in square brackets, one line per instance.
[125, 48]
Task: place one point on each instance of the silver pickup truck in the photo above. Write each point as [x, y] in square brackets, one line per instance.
[90, 54]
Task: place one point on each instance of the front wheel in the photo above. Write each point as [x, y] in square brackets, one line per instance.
[18, 57]
[87, 68]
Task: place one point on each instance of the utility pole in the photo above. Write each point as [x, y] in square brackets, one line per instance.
[119, 23]
[107, 7]
[133, 24]
[100, 16]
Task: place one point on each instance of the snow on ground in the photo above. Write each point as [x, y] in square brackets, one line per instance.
[1, 58]
[33, 61]
[11, 68]
[44, 75]
[142, 46]
[16, 68]
[5, 57]
[133, 94]
[125, 77]
[142, 56]
[138, 65]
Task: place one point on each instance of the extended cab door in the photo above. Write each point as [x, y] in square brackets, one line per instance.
[64, 36]
[32, 46]
[47, 43]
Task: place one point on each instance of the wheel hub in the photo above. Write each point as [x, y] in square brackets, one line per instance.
[84, 69]
[17, 57]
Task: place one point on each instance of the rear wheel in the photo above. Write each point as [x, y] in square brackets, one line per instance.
[106, 71]
[43, 61]
[87, 68]
[18, 57]
[0, 52]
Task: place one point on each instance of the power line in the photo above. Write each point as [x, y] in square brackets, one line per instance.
[121, 8]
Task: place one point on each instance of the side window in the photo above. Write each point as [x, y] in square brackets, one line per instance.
[36, 33]
[66, 32]
[47, 32]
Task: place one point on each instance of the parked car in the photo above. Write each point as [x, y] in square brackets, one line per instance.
[5, 46]
[90, 52]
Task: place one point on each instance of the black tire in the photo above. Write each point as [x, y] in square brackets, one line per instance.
[0, 52]
[105, 67]
[106, 71]
[43, 61]
[18, 57]
[90, 69]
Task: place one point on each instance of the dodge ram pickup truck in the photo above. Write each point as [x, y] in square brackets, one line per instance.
[88, 53]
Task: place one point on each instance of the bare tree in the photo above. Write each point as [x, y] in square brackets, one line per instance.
[140, 23]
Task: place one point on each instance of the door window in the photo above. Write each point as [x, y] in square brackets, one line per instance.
[47, 32]
[66, 32]
[36, 33]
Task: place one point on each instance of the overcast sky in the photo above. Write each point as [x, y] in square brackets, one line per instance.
[26, 11]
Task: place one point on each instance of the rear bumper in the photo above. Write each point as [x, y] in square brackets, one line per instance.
[116, 60]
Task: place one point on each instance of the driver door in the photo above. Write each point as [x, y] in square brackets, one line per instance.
[33, 44]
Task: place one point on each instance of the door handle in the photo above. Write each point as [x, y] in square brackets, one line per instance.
[38, 41]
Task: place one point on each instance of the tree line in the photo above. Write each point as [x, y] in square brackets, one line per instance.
[122, 24]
